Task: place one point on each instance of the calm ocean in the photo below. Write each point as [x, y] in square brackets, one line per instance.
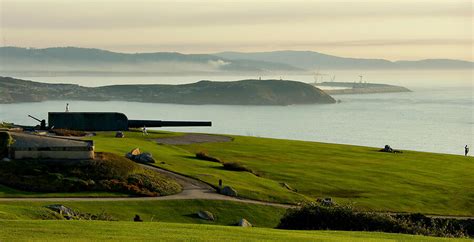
[430, 119]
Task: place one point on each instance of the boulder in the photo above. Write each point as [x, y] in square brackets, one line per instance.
[244, 223]
[326, 201]
[66, 212]
[229, 191]
[285, 185]
[135, 151]
[6, 159]
[145, 158]
[206, 215]
[139, 157]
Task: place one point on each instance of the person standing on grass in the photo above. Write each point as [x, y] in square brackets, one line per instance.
[144, 130]
[466, 150]
[67, 107]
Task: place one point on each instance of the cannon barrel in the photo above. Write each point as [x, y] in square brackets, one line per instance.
[161, 123]
[37, 119]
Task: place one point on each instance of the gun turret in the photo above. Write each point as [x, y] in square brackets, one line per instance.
[96, 121]
[42, 122]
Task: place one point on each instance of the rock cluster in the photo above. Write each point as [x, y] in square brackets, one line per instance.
[139, 157]
[66, 212]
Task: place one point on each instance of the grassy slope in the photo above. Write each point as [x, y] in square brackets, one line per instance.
[130, 231]
[11, 192]
[178, 211]
[409, 182]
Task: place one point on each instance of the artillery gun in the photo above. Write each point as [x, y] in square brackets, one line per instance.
[110, 121]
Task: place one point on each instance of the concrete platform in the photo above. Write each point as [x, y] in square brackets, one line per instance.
[31, 146]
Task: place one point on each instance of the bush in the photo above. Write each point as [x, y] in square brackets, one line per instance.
[236, 166]
[67, 132]
[203, 156]
[5, 142]
[149, 180]
[313, 216]
[4, 125]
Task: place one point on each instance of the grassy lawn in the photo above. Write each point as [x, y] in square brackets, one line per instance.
[130, 231]
[408, 182]
[177, 211]
[11, 192]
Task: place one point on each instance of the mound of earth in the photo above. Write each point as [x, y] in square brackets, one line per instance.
[107, 172]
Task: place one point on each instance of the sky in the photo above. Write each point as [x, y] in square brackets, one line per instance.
[394, 30]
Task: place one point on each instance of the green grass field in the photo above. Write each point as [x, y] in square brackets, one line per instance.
[176, 211]
[11, 192]
[408, 182]
[130, 231]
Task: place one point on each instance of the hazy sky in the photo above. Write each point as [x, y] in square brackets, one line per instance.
[395, 29]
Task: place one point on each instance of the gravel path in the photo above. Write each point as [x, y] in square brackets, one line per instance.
[193, 138]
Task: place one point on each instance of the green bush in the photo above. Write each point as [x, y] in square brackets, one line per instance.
[6, 125]
[236, 166]
[67, 132]
[5, 142]
[313, 216]
[151, 181]
[204, 156]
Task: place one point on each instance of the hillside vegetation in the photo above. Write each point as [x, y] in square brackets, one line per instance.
[408, 182]
[106, 173]
[245, 92]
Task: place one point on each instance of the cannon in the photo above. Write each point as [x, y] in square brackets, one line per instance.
[110, 121]
[42, 122]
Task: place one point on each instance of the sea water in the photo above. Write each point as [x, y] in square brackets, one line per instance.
[429, 119]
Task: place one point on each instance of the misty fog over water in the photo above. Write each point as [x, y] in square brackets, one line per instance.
[436, 118]
[408, 78]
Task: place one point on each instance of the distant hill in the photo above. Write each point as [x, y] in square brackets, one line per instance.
[313, 60]
[77, 60]
[245, 92]
[16, 61]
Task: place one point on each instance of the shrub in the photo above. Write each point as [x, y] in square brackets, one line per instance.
[152, 182]
[204, 156]
[5, 125]
[236, 166]
[5, 142]
[67, 132]
[313, 216]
